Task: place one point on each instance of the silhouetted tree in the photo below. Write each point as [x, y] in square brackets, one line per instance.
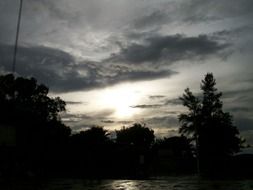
[207, 124]
[91, 152]
[173, 155]
[190, 121]
[138, 135]
[135, 149]
[27, 106]
[91, 137]
[179, 146]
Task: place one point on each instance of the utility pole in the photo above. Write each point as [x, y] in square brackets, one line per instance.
[17, 36]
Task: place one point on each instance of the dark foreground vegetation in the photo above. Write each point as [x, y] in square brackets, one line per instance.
[35, 143]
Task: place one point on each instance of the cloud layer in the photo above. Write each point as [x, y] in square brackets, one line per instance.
[88, 45]
[136, 62]
[169, 49]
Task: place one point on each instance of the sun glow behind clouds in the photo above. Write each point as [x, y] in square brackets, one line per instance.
[121, 99]
[114, 103]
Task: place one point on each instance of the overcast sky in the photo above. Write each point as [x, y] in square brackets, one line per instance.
[121, 61]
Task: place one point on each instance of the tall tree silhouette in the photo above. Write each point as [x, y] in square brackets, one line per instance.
[207, 124]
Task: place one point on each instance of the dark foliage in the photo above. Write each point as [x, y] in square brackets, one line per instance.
[138, 135]
[26, 106]
[95, 136]
[38, 133]
[179, 146]
[207, 125]
[34, 141]
[174, 156]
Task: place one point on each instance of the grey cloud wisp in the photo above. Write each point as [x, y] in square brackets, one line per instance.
[62, 73]
[169, 49]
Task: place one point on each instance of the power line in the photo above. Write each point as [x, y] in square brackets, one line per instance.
[17, 35]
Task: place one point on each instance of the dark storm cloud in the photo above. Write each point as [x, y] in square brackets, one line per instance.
[82, 127]
[156, 97]
[155, 18]
[107, 121]
[62, 73]
[240, 109]
[244, 123]
[129, 74]
[163, 121]
[173, 112]
[193, 12]
[74, 102]
[170, 49]
[174, 101]
[38, 60]
[103, 114]
[240, 104]
[125, 122]
[189, 12]
[239, 94]
[205, 10]
[53, 8]
[7, 21]
[81, 121]
[196, 18]
[147, 106]
[236, 32]
[70, 118]
[50, 66]
[248, 135]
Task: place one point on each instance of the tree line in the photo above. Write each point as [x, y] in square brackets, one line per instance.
[40, 144]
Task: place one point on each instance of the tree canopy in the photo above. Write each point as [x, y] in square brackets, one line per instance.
[25, 105]
[94, 136]
[44, 144]
[138, 135]
[207, 124]
[179, 146]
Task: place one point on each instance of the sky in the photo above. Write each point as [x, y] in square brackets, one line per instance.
[116, 62]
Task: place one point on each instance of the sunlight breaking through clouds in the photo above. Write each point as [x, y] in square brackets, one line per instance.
[113, 55]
